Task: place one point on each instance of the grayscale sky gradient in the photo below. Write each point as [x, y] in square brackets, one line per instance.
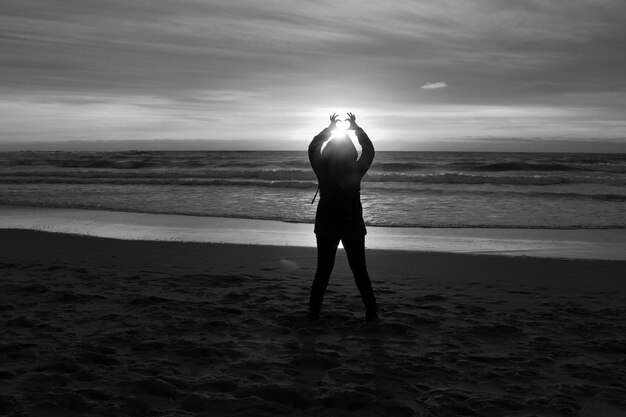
[420, 75]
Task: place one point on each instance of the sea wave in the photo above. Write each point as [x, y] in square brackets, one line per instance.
[546, 167]
[267, 216]
[399, 166]
[372, 187]
[294, 177]
[525, 166]
[262, 174]
[81, 163]
[459, 178]
[183, 181]
[148, 160]
[404, 162]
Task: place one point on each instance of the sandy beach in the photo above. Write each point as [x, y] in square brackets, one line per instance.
[97, 326]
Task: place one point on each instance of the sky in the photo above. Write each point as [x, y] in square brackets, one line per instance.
[478, 75]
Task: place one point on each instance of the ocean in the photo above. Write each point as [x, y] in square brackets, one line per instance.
[404, 189]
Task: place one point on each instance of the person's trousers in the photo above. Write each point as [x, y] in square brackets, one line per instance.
[355, 251]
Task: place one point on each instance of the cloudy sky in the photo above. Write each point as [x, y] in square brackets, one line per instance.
[440, 74]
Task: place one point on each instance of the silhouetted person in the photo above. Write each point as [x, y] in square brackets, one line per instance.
[339, 214]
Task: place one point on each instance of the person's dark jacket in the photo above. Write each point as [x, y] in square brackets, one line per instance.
[339, 173]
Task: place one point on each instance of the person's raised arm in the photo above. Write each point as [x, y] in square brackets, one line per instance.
[315, 147]
[367, 148]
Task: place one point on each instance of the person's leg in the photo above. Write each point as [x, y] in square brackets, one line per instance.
[326, 251]
[355, 251]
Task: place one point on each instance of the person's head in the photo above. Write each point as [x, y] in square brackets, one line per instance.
[340, 149]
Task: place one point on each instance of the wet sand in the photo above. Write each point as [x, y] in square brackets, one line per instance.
[96, 326]
[608, 244]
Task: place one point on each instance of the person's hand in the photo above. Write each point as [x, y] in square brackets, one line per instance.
[333, 121]
[352, 119]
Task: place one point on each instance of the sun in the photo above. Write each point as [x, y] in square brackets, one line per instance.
[341, 129]
[342, 125]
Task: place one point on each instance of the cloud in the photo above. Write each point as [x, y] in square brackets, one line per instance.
[434, 86]
[249, 69]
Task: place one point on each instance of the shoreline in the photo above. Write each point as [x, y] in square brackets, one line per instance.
[606, 244]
